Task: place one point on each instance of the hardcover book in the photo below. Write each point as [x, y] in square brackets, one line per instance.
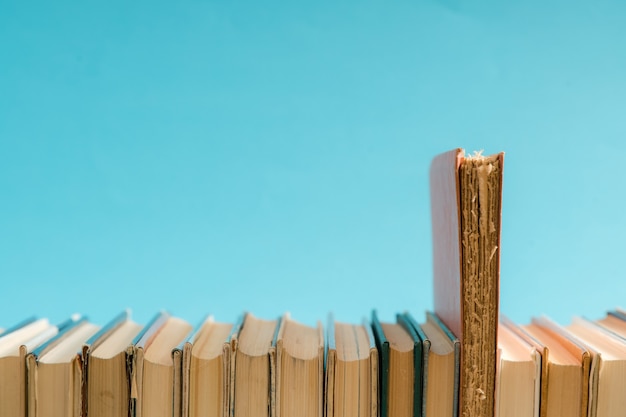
[106, 373]
[254, 378]
[206, 363]
[15, 344]
[518, 379]
[400, 351]
[299, 370]
[466, 198]
[565, 368]
[55, 371]
[155, 383]
[351, 388]
[608, 367]
[441, 369]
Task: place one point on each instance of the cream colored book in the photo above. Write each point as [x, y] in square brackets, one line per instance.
[153, 372]
[15, 344]
[565, 369]
[615, 321]
[351, 388]
[608, 371]
[518, 377]
[401, 355]
[55, 372]
[441, 375]
[206, 357]
[106, 373]
[299, 370]
[254, 350]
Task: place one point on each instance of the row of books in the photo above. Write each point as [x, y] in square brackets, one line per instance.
[274, 368]
[251, 368]
[577, 370]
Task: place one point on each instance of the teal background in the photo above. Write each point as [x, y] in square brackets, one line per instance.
[215, 157]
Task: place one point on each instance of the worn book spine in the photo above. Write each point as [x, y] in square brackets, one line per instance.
[466, 198]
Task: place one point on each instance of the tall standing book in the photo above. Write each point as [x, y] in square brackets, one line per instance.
[466, 199]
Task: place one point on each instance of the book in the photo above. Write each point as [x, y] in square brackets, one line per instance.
[54, 371]
[615, 321]
[518, 378]
[400, 357]
[106, 372]
[441, 369]
[543, 368]
[15, 344]
[565, 368]
[153, 383]
[299, 370]
[608, 367]
[466, 198]
[254, 350]
[206, 370]
[351, 388]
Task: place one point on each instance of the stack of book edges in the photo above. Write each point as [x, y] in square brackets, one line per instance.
[253, 367]
[461, 360]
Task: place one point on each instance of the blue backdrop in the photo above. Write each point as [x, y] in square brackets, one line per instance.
[215, 157]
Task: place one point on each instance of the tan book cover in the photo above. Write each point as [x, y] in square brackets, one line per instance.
[14, 347]
[155, 385]
[565, 368]
[206, 359]
[299, 370]
[254, 374]
[54, 372]
[518, 378]
[351, 388]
